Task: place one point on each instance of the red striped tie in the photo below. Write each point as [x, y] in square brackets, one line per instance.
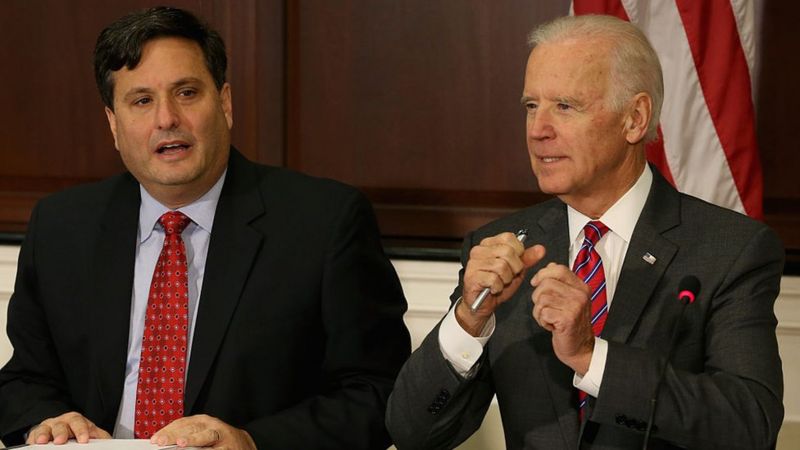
[589, 267]
[159, 392]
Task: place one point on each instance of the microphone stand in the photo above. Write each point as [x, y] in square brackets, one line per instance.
[688, 289]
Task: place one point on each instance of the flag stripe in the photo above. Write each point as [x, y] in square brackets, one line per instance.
[745, 14]
[725, 81]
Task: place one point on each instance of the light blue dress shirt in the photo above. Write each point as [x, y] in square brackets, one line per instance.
[150, 240]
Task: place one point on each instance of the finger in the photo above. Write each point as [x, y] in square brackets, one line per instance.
[79, 427]
[554, 292]
[481, 280]
[540, 319]
[533, 255]
[42, 434]
[481, 256]
[165, 436]
[507, 238]
[495, 264]
[205, 438]
[502, 262]
[558, 272]
[180, 428]
[61, 432]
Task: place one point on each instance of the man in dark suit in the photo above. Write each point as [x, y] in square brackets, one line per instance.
[287, 315]
[576, 335]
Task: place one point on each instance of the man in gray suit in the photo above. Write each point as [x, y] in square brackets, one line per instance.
[582, 338]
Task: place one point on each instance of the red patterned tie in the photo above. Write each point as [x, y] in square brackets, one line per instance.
[159, 392]
[589, 267]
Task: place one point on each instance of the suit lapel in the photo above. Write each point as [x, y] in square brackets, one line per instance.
[559, 376]
[639, 278]
[110, 296]
[232, 250]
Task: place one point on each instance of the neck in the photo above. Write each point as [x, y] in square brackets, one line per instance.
[174, 197]
[595, 204]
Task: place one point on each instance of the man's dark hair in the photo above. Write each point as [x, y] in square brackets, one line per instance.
[120, 44]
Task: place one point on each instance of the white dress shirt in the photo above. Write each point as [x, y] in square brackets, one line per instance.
[463, 350]
[150, 240]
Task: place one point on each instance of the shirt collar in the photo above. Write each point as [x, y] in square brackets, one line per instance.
[200, 211]
[621, 218]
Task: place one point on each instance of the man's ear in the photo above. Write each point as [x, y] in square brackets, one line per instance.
[638, 118]
[227, 103]
[112, 124]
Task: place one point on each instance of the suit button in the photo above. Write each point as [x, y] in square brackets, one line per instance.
[621, 419]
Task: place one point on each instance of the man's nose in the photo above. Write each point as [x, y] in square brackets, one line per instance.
[540, 125]
[167, 115]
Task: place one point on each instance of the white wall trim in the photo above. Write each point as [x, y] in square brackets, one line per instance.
[787, 307]
[8, 268]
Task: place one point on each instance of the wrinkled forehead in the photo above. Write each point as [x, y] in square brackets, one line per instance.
[576, 64]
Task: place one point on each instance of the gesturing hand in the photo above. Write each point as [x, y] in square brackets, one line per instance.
[497, 263]
[561, 305]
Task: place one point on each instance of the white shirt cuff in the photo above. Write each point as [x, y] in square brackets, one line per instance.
[459, 348]
[593, 378]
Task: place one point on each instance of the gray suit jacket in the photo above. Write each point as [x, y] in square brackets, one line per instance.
[722, 387]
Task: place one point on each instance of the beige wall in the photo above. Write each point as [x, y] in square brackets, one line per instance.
[428, 285]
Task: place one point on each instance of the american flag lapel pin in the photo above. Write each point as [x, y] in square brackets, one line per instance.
[649, 259]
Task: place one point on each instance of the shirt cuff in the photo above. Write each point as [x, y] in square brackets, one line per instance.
[593, 378]
[459, 348]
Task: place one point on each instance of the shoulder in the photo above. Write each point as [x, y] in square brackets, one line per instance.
[721, 243]
[86, 201]
[295, 197]
[284, 188]
[705, 219]
[277, 181]
[528, 218]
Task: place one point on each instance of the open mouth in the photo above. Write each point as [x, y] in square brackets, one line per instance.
[172, 148]
[551, 159]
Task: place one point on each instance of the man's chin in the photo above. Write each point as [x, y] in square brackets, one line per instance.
[553, 188]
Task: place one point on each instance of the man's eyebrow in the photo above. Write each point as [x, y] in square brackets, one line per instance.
[184, 81]
[525, 99]
[175, 84]
[136, 91]
[569, 100]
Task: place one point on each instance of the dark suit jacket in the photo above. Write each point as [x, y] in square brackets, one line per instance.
[722, 387]
[299, 332]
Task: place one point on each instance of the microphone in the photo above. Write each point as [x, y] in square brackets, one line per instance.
[688, 290]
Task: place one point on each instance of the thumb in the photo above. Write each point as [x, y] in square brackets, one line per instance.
[533, 255]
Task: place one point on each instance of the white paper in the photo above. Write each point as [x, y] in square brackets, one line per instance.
[104, 444]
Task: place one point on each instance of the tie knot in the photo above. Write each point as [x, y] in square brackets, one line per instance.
[593, 231]
[174, 222]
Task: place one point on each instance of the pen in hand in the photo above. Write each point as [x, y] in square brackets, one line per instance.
[521, 235]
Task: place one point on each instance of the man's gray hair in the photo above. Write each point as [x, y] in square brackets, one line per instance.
[634, 64]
